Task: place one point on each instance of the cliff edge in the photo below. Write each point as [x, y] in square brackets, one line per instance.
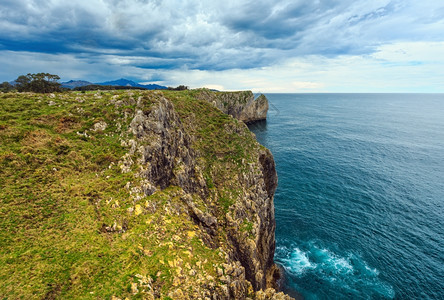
[241, 105]
[137, 194]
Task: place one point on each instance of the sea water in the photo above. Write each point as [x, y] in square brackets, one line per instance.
[360, 200]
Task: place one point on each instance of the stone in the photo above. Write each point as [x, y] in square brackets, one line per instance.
[134, 288]
[99, 126]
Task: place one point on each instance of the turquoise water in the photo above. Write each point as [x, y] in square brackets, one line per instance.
[360, 201]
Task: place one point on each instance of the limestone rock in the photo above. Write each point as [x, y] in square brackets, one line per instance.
[100, 126]
[167, 157]
[162, 153]
[240, 105]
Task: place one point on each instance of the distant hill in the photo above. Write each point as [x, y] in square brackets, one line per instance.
[98, 87]
[122, 82]
[126, 82]
[75, 83]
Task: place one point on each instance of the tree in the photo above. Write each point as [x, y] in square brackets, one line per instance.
[179, 88]
[6, 87]
[38, 83]
[22, 83]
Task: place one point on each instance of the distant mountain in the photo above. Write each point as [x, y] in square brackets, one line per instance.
[126, 82]
[154, 86]
[120, 82]
[72, 84]
[75, 83]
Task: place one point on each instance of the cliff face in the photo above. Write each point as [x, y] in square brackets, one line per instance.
[180, 206]
[240, 105]
[238, 212]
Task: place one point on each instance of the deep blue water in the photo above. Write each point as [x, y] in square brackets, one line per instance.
[360, 200]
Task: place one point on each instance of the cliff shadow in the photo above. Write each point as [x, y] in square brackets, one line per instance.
[258, 126]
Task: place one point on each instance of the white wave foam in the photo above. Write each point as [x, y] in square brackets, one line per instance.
[329, 263]
[372, 270]
[297, 262]
[349, 272]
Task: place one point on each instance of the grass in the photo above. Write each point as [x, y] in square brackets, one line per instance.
[69, 227]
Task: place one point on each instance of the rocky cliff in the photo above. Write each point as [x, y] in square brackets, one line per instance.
[240, 105]
[152, 195]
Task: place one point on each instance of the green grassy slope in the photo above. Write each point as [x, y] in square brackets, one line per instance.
[69, 224]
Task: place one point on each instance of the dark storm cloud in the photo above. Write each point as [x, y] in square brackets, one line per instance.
[272, 22]
[214, 35]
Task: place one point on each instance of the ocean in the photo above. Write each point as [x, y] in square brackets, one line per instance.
[360, 201]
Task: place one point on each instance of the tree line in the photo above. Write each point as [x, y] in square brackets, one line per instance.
[37, 83]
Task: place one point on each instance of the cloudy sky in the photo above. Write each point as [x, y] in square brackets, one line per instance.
[263, 45]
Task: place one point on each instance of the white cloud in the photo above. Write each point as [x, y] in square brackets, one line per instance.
[67, 66]
[268, 45]
[398, 67]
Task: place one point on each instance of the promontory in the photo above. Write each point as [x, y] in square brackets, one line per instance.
[135, 194]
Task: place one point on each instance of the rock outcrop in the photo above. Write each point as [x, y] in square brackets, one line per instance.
[244, 227]
[241, 105]
[166, 156]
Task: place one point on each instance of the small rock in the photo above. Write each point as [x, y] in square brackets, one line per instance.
[100, 126]
[134, 288]
[192, 272]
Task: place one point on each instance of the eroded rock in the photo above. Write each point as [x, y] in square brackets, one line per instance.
[164, 154]
[241, 105]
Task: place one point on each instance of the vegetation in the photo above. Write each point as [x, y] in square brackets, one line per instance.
[38, 83]
[6, 87]
[70, 225]
[178, 88]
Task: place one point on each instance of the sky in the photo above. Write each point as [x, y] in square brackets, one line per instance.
[261, 45]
